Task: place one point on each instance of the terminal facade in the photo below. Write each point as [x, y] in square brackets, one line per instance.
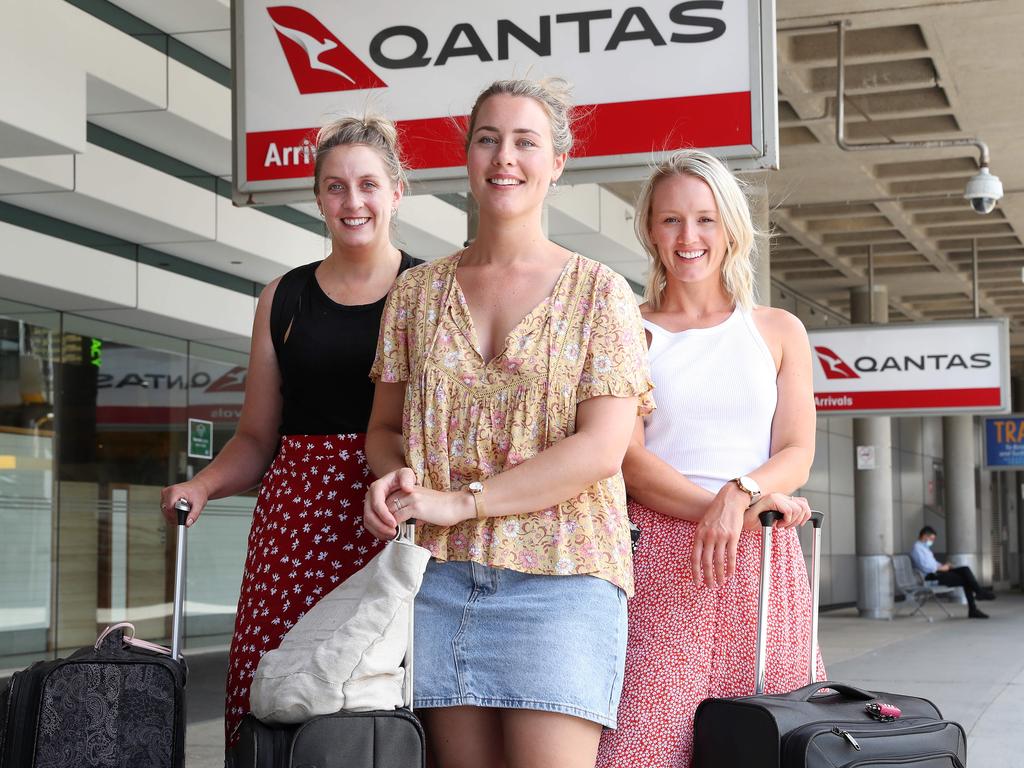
[128, 283]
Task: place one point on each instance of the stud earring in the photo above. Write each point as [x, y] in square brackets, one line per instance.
[554, 185]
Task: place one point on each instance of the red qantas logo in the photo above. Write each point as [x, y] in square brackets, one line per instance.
[833, 365]
[319, 61]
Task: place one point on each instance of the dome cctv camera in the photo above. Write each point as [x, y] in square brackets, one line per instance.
[983, 190]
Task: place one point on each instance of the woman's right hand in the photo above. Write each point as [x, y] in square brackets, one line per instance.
[377, 518]
[193, 491]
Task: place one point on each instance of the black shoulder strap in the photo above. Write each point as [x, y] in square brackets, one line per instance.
[287, 301]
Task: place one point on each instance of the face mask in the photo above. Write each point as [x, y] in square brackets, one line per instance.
[929, 543]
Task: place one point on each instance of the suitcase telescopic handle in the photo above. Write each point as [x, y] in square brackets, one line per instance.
[407, 532]
[182, 507]
[767, 519]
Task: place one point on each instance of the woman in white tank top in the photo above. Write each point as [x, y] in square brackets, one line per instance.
[735, 418]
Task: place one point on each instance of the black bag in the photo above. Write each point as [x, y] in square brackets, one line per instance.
[379, 739]
[118, 704]
[805, 728]
[386, 739]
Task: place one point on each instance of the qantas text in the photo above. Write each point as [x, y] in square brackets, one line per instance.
[634, 24]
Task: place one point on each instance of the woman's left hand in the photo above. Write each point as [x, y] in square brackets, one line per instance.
[794, 509]
[444, 508]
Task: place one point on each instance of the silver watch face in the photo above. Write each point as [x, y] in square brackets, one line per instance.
[476, 487]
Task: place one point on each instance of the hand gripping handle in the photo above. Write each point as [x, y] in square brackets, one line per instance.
[767, 519]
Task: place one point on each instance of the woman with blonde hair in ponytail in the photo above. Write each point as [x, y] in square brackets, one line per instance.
[307, 402]
[732, 436]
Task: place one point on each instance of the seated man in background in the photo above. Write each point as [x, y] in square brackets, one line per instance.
[947, 575]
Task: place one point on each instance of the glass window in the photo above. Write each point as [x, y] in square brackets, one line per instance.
[29, 340]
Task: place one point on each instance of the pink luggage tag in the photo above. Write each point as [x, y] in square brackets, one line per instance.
[884, 713]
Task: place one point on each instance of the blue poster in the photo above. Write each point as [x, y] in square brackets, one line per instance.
[1004, 442]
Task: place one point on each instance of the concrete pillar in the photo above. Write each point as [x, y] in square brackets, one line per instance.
[1017, 401]
[872, 483]
[961, 509]
[757, 194]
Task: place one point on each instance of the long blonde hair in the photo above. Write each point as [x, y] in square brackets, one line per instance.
[741, 236]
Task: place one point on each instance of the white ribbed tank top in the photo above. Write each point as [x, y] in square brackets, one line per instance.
[716, 393]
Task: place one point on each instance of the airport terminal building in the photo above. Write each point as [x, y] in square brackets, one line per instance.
[129, 277]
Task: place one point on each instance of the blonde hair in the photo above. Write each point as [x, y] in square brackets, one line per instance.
[372, 130]
[734, 210]
[552, 93]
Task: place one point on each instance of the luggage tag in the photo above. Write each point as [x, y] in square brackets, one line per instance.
[882, 712]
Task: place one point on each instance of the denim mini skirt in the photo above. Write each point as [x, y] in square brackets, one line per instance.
[491, 637]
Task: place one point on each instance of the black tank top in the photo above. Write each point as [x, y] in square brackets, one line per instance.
[325, 362]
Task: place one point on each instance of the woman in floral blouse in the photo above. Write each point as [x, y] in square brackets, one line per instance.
[509, 378]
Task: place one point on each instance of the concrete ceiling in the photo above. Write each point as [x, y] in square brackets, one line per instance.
[925, 70]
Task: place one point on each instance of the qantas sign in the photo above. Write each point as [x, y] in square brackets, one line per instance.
[650, 77]
[912, 369]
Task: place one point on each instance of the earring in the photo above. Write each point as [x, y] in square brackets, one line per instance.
[394, 211]
[554, 185]
[321, 213]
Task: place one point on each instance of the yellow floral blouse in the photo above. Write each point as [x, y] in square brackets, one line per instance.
[465, 420]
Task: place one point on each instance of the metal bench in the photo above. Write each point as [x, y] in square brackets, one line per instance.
[915, 590]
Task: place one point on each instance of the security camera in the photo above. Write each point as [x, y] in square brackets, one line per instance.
[983, 190]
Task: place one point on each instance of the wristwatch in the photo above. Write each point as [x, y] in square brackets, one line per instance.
[749, 485]
[477, 489]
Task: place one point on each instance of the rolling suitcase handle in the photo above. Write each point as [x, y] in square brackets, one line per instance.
[182, 507]
[767, 519]
[407, 533]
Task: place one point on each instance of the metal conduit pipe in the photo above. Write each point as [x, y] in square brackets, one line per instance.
[841, 115]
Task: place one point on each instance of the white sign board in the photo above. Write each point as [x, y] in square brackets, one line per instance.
[907, 370]
[866, 457]
[649, 76]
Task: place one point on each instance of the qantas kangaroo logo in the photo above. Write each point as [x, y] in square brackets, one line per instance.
[319, 61]
[833, 365]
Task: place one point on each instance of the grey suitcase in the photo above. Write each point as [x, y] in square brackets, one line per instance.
[807, 729]
[380, 739]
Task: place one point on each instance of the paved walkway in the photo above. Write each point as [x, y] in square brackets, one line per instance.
[972, 669]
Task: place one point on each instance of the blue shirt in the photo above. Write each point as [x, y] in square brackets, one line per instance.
[923, 559]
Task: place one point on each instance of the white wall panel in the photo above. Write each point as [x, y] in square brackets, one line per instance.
[429, 228]
[42, 108]
[189, 309]
[50, 173]
[195, 127]
[181, 15]
[265, 246]
[55, 273]
[124, 74]
[121, 197]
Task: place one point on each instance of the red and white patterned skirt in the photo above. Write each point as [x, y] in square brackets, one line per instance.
[307, 537]
[687, 643]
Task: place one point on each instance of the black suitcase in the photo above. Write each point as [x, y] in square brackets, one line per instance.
[809, 729]
[379, 739]
[118, 704]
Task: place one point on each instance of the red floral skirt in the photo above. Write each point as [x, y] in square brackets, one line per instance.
[687, 643]
[307, 537]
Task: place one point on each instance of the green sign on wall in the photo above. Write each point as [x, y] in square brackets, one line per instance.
[200, 439]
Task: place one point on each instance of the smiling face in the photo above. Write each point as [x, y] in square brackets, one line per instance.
[510, 158]
[356, 196]
[686, 229]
